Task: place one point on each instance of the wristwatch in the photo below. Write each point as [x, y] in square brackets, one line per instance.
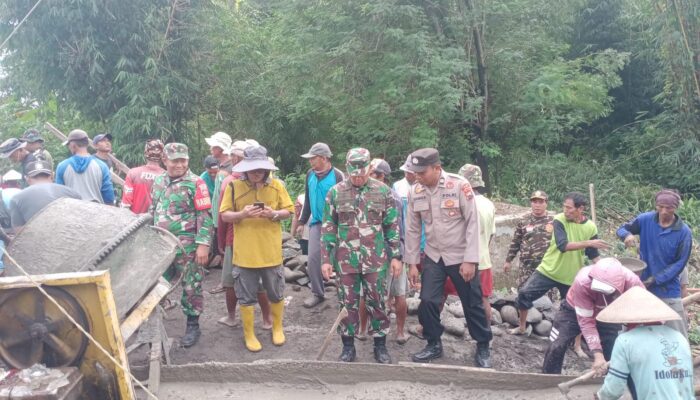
[275, 216]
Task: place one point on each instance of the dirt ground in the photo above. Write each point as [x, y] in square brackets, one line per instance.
[305, 330]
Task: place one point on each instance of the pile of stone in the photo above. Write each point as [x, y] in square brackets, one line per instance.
[504, 314]
[294, 262]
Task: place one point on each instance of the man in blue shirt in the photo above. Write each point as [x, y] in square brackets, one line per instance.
[665, 245]
[320, 178]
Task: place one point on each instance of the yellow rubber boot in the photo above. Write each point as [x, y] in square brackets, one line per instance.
[248, 320]
[277, 311]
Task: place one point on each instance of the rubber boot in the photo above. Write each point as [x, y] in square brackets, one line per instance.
[277, 311]
[248, 319]
[381, 354]
[348, 354]
[192, 332]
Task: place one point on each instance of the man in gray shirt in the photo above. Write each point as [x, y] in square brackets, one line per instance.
[39, 194]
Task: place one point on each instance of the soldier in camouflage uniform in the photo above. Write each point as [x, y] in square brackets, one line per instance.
[360, 234]
[531, 238]
[181, 205]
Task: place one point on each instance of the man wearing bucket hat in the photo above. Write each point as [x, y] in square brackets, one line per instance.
[219, 148]
[35, 144]
[255, 205]
[443, 204]
[136, 195]
[181, 205]
[487, 228]
[222, 230]
[654, 356]
[224, 235]
[360, 237]
[319, 179]
[593, 289]
[16, 151]
[665, 245]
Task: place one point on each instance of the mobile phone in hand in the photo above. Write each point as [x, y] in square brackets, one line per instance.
[259, 204]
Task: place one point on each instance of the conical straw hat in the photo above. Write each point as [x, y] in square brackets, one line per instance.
[637, 305]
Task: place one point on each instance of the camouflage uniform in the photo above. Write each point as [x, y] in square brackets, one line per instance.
[182, 206]
[358, 225]
[531, 238]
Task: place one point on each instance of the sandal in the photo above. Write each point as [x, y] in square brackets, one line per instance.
[517, 332]
[218, 289]
[167, 304]
[415, 331]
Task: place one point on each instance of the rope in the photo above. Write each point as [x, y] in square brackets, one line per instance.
[20, 24]
[77, 325]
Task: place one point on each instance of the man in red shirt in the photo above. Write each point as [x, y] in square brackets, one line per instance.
[137, 186]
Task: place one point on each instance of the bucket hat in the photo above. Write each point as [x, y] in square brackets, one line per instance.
[238, 147]
[220, 139]
[254, 157]
[9, 146]
[473, 174]
[637, 305]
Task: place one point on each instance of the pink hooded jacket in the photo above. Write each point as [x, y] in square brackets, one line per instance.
[588, 303]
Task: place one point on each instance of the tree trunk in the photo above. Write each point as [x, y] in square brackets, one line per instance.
[482, 125]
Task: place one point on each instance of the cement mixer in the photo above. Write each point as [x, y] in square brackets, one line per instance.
[103, 265]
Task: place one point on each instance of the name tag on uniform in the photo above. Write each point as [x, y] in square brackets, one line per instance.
[449, 195]
[421, 205]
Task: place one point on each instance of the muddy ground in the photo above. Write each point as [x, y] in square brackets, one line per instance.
[305, 330]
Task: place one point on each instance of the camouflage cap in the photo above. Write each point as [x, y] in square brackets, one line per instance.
[31, 135]
[357, 161]
[539, 194]
[174, 151]
[473, 174]
[153, 151]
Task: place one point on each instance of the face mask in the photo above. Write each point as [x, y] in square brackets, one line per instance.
[602, 287]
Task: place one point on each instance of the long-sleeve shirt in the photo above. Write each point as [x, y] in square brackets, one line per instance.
[360, 229]
[588, 303]
[659, 361]
[531, 238]
[665, 250]
[448, 213]
[182, 206]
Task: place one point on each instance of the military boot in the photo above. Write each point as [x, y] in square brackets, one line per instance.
[192, 332]
[381, 354]
[482, 357]
[431, 351]
[348, 354]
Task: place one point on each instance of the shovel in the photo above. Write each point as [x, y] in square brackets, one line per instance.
[565, 387]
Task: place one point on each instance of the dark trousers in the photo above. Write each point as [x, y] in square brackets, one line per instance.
[431, 295]
[536, 286]
[565, 330]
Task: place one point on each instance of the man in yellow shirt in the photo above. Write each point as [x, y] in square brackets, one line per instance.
[255, 205]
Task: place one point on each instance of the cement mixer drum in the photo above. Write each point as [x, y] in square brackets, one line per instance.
[72, 235]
